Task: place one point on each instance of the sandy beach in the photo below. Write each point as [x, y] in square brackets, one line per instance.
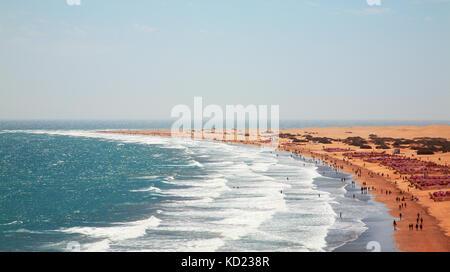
[339, 147]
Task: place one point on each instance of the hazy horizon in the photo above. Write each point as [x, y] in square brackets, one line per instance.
[20, 125]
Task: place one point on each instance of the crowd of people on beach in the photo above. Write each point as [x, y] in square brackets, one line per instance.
[441, 196]
[419, 223]
[421, 174]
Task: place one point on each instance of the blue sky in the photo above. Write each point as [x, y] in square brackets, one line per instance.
[120, 59]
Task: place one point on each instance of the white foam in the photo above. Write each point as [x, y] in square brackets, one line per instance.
[120, 232]
[16, 222]
[148, 189]
[147, 177]
[204, 190]
[100, 246]
[204, 245]
[124, 138]
[195, 163]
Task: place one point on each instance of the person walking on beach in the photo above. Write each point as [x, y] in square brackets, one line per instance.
[400, 216]
[395, 225]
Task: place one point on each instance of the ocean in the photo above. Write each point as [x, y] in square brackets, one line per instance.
[65, 187]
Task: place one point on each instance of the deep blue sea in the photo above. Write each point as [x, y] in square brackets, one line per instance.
[63, 187]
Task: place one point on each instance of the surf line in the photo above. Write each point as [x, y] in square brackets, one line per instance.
[193, 262]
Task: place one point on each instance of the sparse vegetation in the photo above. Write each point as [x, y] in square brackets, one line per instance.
[424, 151]
[355, 141]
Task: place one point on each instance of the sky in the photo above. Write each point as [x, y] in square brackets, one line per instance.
[137, 59]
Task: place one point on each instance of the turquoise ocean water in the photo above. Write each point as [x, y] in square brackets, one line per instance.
[62, 183]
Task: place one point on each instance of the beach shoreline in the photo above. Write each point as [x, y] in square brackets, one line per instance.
[377, 223]
[432, 238]
[385, 186]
